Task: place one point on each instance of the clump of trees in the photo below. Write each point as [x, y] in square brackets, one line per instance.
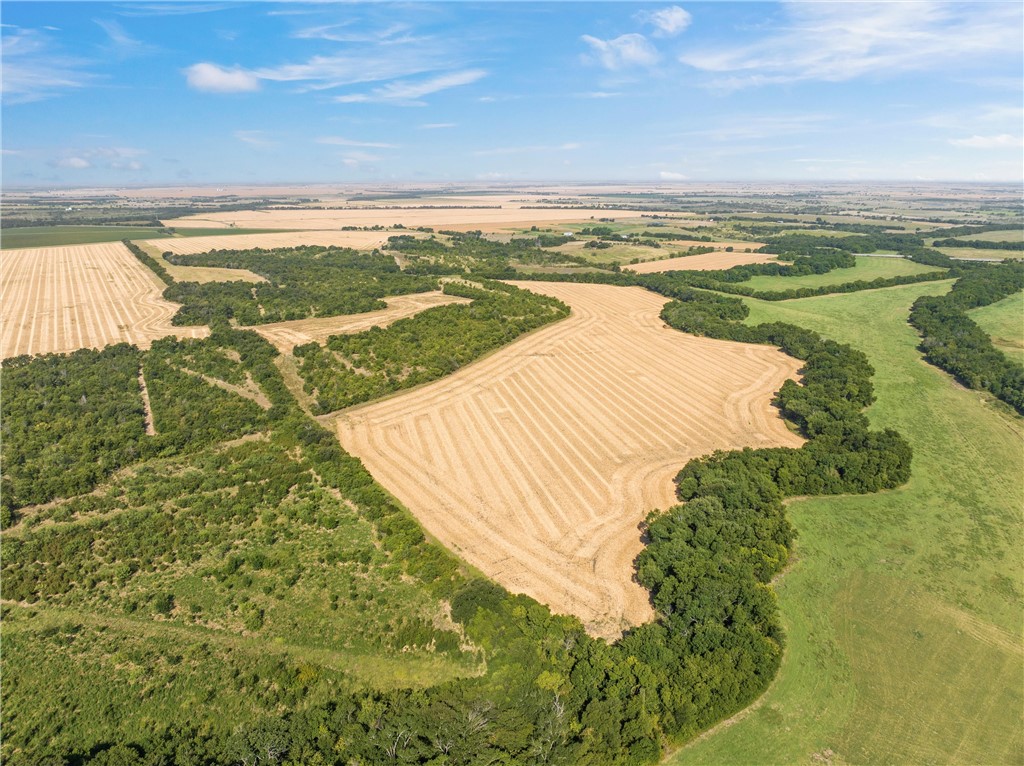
[432, 344]
[952, 341]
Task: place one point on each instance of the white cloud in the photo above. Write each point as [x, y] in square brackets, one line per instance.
[622, 52]
[339, 141]
[1001, 141]
[599, 94]
[257, 138]
[405, 93]
[76, 163]
[668, 22]
[437, 125]
[344, 33]
[212, 78]
[566, 147]
[668, 175]
[841, 41]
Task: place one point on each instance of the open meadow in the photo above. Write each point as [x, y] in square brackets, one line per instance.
[538, 463]
[58, 299]
[902, 609]
[706, 262]
[1004, 322]
[358, 240]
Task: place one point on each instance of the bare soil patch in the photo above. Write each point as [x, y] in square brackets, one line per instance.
[706, 262]
[286, 335]
[58, 299]
[538, 463]
[445, 218]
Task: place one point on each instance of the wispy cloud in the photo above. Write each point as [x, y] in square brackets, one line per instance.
[212, 78]
[668, 175]
[566, 147]
[347, 33]
[339, 141]
[121, 43]
[623, 52]
[169, 9]
[667, 22]
[1002, 141]
[599, 94]
[842, 41]
[436, 125]
[405, 93]
[34, 68]
[256, 138]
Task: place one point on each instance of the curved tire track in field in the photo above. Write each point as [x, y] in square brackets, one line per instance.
[538, 463]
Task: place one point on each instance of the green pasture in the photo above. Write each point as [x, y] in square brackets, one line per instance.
[867, 268]
[1004, 322]
[55, 236]
[902, 609]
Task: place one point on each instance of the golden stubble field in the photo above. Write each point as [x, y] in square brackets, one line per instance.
[705, 262]
[59, 299]
[358, 240]
[459, 218]
[538, 463]
[286, 335]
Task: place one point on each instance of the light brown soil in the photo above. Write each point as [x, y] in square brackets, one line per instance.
[286, 335]
[538, 463]
[706, 262]
[58, 299]
[455, 218]
[196, 273]
[358, 240]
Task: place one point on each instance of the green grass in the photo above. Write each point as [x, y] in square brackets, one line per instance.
[867, 268]
[1007, 235]
[1004, 321]
[54, 236]
[902, 609]
[978, 252]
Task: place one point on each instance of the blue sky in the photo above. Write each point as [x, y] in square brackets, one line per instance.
[136, 93]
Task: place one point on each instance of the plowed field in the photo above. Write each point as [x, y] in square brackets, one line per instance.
[56, 299]
[705, 262]
[358, 240]
[286, 335]
[538, 463]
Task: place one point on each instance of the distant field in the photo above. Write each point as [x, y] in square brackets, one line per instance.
[705, 262]
[1004, 321]
[867, 268]
[52, 236]
[980, 252]
[902, 609]
[233, 240]
[537, 463]
[461, 219]
[157, 247]
[1007, 235]
[81, 296]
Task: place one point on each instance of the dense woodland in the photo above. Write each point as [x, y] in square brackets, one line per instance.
[254, 557]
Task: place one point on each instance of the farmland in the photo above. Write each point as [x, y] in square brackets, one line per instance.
[286, 335]
[576, 433]
[81, 296]
[228, 240]
[893, 597]
[705, 262]
[867, 268]
[55, 236]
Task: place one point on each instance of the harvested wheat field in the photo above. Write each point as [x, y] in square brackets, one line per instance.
[56, 299]
[286, 335]
[438, 217]
[706, 262]
[357, 240]
[538, 463]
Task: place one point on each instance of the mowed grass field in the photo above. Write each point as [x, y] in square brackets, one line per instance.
[867, 268]
[54, 236]
[902, 609]
[1004, 321]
